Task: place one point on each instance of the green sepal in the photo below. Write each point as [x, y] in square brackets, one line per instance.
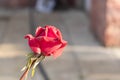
[38, 60]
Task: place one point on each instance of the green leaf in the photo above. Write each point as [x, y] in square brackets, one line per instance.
[25, 67]
[37, 61]
[40, 58]
[33, 58]
[33, 72]
[30, 55]
[28, 62]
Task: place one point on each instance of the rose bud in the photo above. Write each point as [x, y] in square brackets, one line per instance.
[47, 41]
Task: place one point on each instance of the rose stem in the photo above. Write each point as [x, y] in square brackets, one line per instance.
[24, 74]
[26, 71]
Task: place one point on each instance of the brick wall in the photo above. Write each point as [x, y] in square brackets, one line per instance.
[105, 21]
[112, 36]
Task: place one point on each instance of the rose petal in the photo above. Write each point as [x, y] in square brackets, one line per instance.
[51, 31]
[48, 45]
[39, 31]
[59, 35]
[33, 44]
[59, 51]
[28, 36]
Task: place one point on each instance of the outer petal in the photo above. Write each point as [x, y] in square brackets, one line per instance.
[59, 35]
[40, 31]
[54, 32]
[59, 51]
[33, 44]
[51, 31]
[28, 36]
[48, 45]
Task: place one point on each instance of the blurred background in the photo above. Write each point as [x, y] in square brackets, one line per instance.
[91, 27]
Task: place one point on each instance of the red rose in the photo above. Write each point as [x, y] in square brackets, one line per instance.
[47, 41]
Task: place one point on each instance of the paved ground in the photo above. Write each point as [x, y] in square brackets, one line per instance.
[13, 27]
[83, 59]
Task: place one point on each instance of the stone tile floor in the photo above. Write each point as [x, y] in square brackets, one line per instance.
[83, 59]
